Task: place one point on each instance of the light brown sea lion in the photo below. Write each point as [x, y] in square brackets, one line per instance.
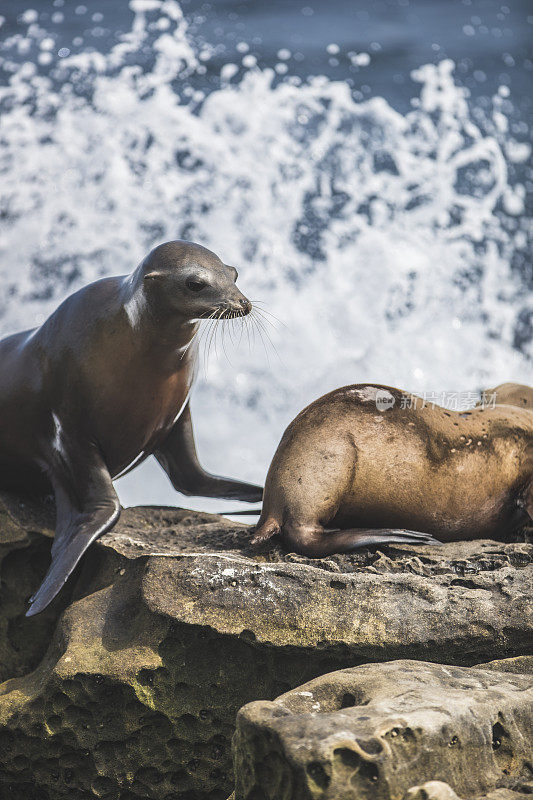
[405, 473]
[105, 382]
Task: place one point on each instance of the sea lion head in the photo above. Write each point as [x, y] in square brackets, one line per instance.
[509, 394]
[187, 279]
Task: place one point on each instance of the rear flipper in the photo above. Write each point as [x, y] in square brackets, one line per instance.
[87, 506]
[315, 542]
[265, 530]
[243, 512]
[528, 499]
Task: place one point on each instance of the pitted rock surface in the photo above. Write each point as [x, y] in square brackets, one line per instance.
[373, 731]
[451, 603]
[128, 685]
[437, 790]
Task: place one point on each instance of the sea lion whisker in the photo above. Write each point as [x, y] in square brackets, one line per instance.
[265, 319]
[214, 341]
[200, 333]
[207, 319]
[229, 329]
[241, 331]
[224, 315]
[255, 303]
[262, 327]
[220, 330]
[262, 322]
[196, 337]
[217, 321]
[211, 345]
[246, 327]
[233, 333]
[207, 346]
[203, 334]
[256, 326]
[205, 331]
[222, 334]
[207, 342]
[209, 339]
[254, 329]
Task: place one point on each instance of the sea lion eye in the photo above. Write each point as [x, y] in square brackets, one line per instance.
[195, 286]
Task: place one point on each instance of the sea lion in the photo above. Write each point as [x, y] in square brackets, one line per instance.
[103, 383]
[377, 466]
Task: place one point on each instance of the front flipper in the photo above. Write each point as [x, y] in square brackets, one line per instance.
[87, 506]
[315, 542]
[177, 455]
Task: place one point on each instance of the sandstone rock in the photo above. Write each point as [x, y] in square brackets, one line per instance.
[431, 790]
[523, 664]
[373, 731]
[128, 685]
[437, 790]
[21, 566]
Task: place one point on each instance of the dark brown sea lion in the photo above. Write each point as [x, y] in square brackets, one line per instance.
[104, 383]
[405, 473]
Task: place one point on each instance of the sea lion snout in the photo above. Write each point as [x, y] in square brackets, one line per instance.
[237, 306]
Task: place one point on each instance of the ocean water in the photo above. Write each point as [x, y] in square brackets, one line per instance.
[366, 166]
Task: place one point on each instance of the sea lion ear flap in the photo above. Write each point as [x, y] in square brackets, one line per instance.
[154, 275]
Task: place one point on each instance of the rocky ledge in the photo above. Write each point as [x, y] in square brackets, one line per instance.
[373, 731]
[438, 790]
[129, 684]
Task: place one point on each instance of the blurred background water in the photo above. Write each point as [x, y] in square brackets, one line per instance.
[366, 166]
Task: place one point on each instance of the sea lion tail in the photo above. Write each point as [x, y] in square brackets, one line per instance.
[264, 531]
